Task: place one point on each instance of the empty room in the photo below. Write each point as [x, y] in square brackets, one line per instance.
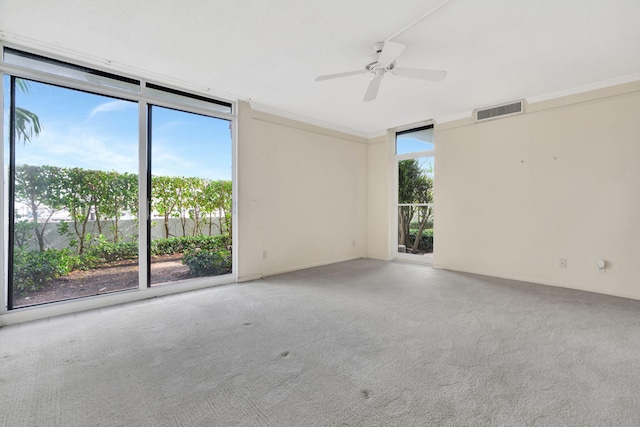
[298, 213]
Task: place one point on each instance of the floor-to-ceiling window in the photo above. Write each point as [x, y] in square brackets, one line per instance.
[111, 183]
[414, 172]
[74, 193]
[190, 195]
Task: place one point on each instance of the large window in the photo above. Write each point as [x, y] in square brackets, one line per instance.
[414, 206]
[190, 195]
[74, 193]
[112, 183]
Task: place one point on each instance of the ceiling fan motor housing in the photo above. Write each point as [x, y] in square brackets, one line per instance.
[373, 64]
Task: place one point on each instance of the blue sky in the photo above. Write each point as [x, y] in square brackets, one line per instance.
[410, 142]
[98, 132]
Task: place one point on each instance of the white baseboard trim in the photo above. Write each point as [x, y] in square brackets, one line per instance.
[539, 282]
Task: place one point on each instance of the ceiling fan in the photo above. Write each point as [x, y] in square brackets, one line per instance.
[384, 59]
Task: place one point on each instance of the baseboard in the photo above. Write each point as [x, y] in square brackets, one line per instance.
[306, 266]
[539, 282]
[249, 278]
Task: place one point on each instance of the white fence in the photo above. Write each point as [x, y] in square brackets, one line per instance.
[127, 231]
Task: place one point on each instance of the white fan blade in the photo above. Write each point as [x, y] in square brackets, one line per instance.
[338, 75]
[415, 73]
[372, 90]
[390, 51]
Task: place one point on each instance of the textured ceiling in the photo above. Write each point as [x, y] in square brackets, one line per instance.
[270, 51]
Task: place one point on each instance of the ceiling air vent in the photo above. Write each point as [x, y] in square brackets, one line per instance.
[499, 111]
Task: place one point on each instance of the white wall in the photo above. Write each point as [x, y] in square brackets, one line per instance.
[515, 195]
[380, 166]
[302, 195]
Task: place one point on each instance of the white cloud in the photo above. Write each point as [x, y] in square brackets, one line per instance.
[69, 148]
[107, 107]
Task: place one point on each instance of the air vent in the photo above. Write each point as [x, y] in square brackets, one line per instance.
[499, 111]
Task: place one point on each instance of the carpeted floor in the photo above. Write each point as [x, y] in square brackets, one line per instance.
[362, 343]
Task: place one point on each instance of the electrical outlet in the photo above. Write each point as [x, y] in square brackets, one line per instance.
[563, 263]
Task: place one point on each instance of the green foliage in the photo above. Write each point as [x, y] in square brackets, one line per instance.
[27, 123]
[163, 189]
[32, 270]
[196, 198]
[415, 186]
[208, 263]
[425, 243]
[183, 244]
[205, 256]
[114, 194]
[80, 194]
[85, 261]
[22, 233]
[110, 252]
[110, 195]
[38, 187]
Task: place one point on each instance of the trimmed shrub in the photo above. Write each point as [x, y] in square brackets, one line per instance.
[32, 270]
[109, 252]
[205, 256]
[208, 263]
[183, 244]
[85, 261]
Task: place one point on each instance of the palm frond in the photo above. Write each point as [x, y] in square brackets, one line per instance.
[27, 125]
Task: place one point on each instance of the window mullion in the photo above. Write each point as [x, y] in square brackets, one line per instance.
[143, 194]
[11, 207]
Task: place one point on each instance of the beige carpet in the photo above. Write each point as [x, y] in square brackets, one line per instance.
[363, 343]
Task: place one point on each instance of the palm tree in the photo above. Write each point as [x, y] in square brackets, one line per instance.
[27, 123]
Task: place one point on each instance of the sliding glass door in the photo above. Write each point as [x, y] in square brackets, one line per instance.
[112, 183]
[74, 193]
[191, 222]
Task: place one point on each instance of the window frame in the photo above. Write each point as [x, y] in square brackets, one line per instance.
[397, 158]
[144, 100]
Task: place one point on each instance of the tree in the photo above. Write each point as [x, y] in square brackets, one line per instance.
[115, 194]
[80, 187]
[27, 123]
[216, 203]
[195, 203]
[225, 191]
[40, 188]
[415, 186]
[163, 198]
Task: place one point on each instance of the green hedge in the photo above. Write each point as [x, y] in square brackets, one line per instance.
[426, 241]
[174, 245]
[109, 252]
[205, 255]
